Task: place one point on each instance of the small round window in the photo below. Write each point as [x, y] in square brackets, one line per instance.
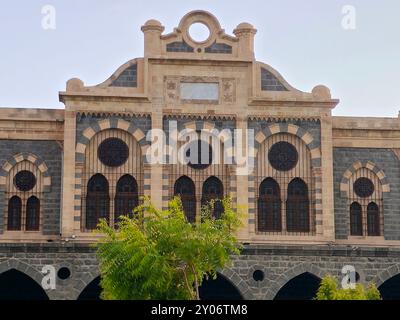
[283, 156]
[113, 152]
[24, 180]
[199, 32]
[364, 187]
[200, 154]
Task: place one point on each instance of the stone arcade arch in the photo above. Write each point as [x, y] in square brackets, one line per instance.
[292, 274]
[219, 289]
[19, 281]
[92, 291]
[301, 287]
[388, 283]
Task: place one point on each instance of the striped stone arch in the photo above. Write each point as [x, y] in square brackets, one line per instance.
[205, 125]
[290, 274]
[368, 165]
[34, 159]
[210, 126]
[106, 124]
[289, 128]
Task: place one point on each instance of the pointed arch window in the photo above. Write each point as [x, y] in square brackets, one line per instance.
[356, 223]
[297, 207]
[213, 189]
[126, 197]
[32, 214]
[14, 214]
[97, 201]
[185, 189]
[373, 220]
[269, 207]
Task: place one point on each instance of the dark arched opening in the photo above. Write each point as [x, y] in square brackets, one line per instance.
[213, 190]
[14, 214]
[32, 214]
[390, 289]
[97, 201]
[185, 189]
[269, 207]
[92, 291]
[15, 285]
[297, 207]
[373, 225]
[126, 197]
[302, 287]
[356, 224]
[219, 289]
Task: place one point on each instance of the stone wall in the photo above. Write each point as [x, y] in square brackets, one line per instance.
[279, 264]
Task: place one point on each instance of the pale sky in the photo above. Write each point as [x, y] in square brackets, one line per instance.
[303, 40]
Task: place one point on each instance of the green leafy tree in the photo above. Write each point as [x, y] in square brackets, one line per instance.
[329, 290]
[160, 255]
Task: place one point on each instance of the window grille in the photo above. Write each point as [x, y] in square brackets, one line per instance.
[121, 184]
[365, 204]
[24, 191]
[284, 184]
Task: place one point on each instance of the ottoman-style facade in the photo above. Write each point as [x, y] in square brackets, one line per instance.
[323, 193]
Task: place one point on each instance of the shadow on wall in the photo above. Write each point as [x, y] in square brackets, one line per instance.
[15, 285]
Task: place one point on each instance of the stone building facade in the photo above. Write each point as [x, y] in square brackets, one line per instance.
[323, 191]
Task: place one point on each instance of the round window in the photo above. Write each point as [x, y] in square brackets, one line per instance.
[199, 32]
[200, 154]
[113, 152]
[24, 180]
[364, 187]
[283, 156]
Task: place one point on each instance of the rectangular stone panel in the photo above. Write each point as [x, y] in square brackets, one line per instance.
[199, 91]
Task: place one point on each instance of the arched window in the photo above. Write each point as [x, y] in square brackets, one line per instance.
[97, 201]
[373, 224]
[297, 207]
[269, 207]
[213, 190]
[126, 197]
[14, 214]
[356, 223]
[32, 214]
[185, 189]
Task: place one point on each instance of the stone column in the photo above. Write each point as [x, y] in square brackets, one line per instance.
[68, 186]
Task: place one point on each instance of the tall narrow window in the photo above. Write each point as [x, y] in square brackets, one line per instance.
[185, 189]
[213, 190]
[297, 207]
[269, 207]
[32, 214]
[14, 214]
[356, 219]
[126, 197]
[373, 224]
[97, 201]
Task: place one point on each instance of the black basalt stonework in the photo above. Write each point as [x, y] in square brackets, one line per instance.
[51, 153]
[386, 160]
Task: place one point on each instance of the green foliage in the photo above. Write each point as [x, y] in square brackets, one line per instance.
[160, 255]
[329, 290]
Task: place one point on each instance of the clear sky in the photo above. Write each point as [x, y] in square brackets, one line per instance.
[304, 40]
